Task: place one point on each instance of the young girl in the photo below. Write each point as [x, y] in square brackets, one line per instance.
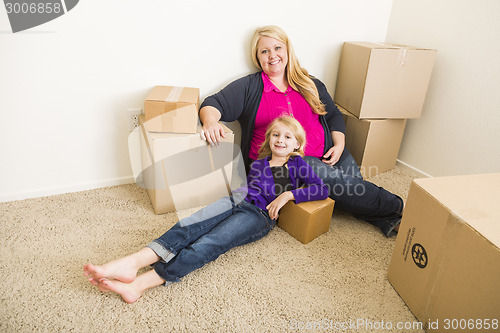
[278, 176]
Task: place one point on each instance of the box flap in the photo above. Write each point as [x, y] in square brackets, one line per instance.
[174, 94]
[372, 45]
[472, 198]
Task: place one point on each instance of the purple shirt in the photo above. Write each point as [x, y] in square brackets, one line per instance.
[307, 186]
[275, 104]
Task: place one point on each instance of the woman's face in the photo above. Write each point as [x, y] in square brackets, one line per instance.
[272, 55]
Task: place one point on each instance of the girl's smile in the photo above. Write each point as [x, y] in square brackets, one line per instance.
[282, 141]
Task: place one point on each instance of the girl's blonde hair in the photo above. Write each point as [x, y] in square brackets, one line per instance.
[294, 126]
[297, 77]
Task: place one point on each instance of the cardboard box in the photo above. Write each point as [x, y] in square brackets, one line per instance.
[446, 261]
[172, 109]
[383, 80]
[374, 143]
[182, 171]
[307, 220]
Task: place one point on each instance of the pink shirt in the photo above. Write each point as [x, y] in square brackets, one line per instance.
[274, 104]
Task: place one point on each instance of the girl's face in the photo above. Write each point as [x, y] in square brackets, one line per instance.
[272, 55]
[282, 141]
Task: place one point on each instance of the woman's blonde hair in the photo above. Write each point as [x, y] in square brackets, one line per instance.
[297, 77]
[294, 126]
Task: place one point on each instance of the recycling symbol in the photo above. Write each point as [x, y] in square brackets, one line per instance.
[419, 255]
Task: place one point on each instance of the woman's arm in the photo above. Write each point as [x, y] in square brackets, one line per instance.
[333, 154]
[212, 130]
[333, 116]
[226, 105]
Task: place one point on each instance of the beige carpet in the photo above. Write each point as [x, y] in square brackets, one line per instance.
[274, 285]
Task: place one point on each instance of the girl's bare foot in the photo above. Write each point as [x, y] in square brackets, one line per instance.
[125, 290]
[131, 292]
[123, 269]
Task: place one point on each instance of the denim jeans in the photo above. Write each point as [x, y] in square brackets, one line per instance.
[359, 197]
[204, 236]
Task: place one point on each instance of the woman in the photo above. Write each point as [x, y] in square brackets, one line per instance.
[282, 87]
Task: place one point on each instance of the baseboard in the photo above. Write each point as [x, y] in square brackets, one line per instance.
[68, 189]
[130, 180]
[419, 173]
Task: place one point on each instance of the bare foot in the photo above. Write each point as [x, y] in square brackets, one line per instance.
[122, 269]
[126, 290]
[131, 292]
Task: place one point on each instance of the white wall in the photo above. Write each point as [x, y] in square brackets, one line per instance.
[65, 85]
[459, 131]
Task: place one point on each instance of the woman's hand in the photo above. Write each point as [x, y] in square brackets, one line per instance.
[213, 133]
[333, 154]
[274, 207]
[212, 130]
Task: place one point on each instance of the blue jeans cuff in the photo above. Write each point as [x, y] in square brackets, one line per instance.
[161, 251]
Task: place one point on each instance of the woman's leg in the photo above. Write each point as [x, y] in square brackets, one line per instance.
[363, 199]
[348, 165]
[248, 223]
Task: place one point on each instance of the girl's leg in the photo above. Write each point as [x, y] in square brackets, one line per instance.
[248, 223]
[180, 235]
[131, 292]
[123, 269]
[190, 228]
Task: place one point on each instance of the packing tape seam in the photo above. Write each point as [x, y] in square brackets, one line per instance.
[403, 56]
[174, 95]
[403, 52]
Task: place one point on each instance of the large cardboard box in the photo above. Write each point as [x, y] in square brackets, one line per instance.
[307, 220]
[182, 171]
[383, 80]
[374, 143]
[446, 262]
[172, 109]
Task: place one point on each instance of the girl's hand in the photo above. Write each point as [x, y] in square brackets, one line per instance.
[274, 207]
[333, 154]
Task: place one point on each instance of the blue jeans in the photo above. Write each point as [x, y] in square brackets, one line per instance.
[204, 236]
[359, 197]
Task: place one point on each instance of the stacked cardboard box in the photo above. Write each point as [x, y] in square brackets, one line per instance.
[179, 169]
[446, 261]
[379, 86]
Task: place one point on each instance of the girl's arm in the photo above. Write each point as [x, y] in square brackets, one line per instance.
[274, 207]
[312, 187]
